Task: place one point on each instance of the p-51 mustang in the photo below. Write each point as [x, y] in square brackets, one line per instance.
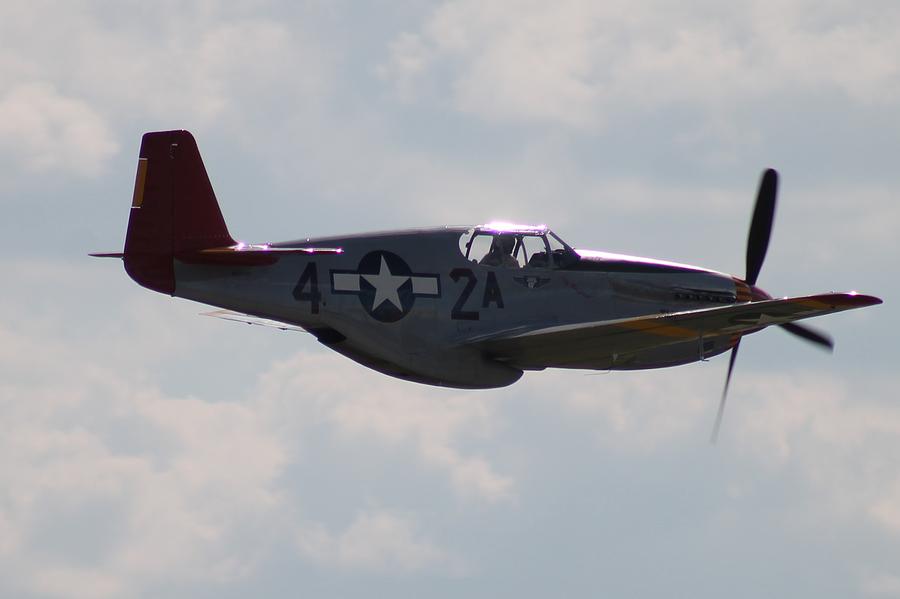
[466, 307]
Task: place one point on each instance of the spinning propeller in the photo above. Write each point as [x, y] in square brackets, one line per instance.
[757, 244]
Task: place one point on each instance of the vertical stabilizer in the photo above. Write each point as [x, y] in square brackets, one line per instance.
[173, 210]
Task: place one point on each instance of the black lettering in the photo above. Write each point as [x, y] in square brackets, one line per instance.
[309, 277]
[492, 293]
[457, 313]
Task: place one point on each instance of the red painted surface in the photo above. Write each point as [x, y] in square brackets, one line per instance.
[758, 294]
[178, 212]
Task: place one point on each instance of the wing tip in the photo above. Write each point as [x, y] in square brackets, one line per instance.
[860, 300]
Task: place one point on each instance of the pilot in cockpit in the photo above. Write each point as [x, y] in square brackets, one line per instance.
[501, 251]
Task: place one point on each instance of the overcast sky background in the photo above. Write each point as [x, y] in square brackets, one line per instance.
[146, 451]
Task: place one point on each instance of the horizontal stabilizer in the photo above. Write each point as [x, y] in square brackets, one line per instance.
[107, 255]
[254, 320]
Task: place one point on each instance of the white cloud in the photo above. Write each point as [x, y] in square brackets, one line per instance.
[182, 480]
[43, 131]
[185, 66]
[837, 438]
[881, 585]
[576, 63]
[218, 75]
[375, 541]
[76, 583]
[108, 485]
[518, 64]
[113, 486]
[359, 404]
[408, 59]
[885, 509]
[862, 217]
[640, 412]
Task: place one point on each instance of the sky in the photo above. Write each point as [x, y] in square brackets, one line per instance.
[147, 451]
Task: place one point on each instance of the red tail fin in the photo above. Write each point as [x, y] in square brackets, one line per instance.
[174, 210]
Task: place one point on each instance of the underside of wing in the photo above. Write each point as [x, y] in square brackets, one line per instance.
[597, 343]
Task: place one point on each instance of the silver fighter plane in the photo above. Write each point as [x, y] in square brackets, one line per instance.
[467, 307]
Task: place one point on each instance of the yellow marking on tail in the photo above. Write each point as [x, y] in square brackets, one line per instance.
[139, 181]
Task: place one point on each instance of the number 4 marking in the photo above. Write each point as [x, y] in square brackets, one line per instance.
[309, 277]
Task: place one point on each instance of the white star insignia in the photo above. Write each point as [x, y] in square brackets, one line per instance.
[386, 285]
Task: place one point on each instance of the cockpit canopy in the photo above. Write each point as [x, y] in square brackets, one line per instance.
[509, 245]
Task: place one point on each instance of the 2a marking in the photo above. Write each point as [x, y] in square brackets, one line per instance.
[457, 313]
[492, 294]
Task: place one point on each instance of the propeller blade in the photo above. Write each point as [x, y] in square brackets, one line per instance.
[761, 225]
[811, 335]
[715, 434]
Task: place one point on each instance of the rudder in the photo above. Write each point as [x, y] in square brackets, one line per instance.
[173, 211]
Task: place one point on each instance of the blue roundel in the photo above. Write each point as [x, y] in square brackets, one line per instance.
[385, 286]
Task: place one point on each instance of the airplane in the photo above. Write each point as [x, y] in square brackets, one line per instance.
[468, 307]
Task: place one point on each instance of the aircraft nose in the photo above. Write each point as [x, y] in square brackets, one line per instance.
[744, 292]
[758, 294]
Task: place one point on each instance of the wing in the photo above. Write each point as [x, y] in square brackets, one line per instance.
[583, 342]
[250, 319]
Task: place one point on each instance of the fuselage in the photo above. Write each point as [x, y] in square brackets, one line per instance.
[468, 307]
[407, 303]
